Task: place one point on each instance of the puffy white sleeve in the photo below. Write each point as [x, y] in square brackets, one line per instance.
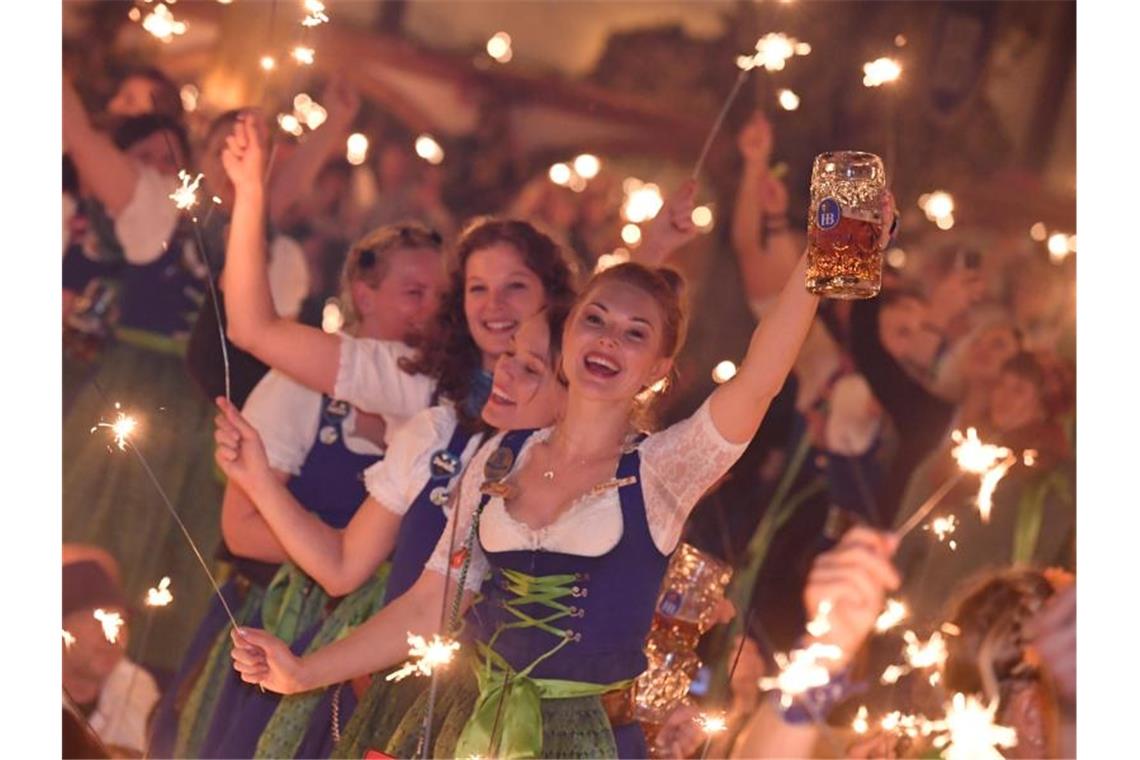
[398, 478]
[460, 521]
[288, 276]
[677, 466]
[145, 225]
[286, 415]
[369, 377]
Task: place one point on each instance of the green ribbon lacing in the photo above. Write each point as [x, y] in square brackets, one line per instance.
[507, 719]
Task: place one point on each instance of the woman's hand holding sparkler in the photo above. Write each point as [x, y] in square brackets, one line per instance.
[239, 451]
[672, 228]
[263, 659]
[847, 589]
[244, 154]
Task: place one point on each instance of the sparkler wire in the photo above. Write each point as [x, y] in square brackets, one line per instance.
[719, 121]
[921, 513]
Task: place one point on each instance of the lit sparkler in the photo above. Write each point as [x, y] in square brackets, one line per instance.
[773, 51]
[943, 527]
[161, 23]
[427, 656]
[892, 674]
[902, 724]
[801, 671]
[123, 426]
[990, 481]
[894, 614]
[950, 629]
[111, 622]
[820, 625]
[880, 71]
[968, 732]
[922, 655]
[860, 725]
[643, 201]
[316, 13]
[712, 723]
[160, 596]
[974, 456]
[186, 196]
[429, 150]
[68, 639]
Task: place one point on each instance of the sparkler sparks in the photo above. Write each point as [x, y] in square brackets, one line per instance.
[820, 625]
[894, 614]
[880, 71]
[904, 725]
[929, 654]
[68, 639]
[801, 671]
[969, 731]
[990, 482]
[943, 527]
[712, 723]
[161, 23]
[860, 725]
[160, 596]
[111, 622]
[186, 196]
[892, 674]
[123, 426]
[427, 656]
[316, 11]
[773, 51]
[642, 201]
[974, 456]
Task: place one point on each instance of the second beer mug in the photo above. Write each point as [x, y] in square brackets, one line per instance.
[844, 225]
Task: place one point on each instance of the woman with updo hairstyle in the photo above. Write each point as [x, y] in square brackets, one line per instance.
[568, 531]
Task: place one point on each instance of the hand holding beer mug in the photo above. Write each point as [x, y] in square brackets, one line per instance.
[848, 225]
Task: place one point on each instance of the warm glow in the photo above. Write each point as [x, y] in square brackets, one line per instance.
[331, 317]
[712, 723]
[268, 63]
[316, 11]
[642, 201]
[356, 149]
[428, 149]
[607, 260]
[702, 217]
[895, 612]
[631, 234]
[896, 257]
[159, 596]
[936, 204]
[499, 47]
[587, 166]
[304, 55]
[789, 101]
[880, 71]
[1038, 232]
[161, 23]
[969, 731]
[290, 123]
[723, 372]
[189, 96]
[820, 625]
[111, 622]
[425, 656]
[560, 174]
[801, 671]
[859, 725]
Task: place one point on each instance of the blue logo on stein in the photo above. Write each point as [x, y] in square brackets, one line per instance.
[671, 603]
[827, 215]
[444, 464]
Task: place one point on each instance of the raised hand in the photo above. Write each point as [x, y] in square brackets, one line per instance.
[854, 577]
[239, 451]
[672, 227]
[755, 140]
[263, 659]
[680, 735]
[244, 155]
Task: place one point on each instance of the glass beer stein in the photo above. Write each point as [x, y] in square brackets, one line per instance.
[844, 225]
[686, 608]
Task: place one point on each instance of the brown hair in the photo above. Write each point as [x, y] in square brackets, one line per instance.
[990, 613]
[1053, 378]
[449, 353]
[369, 259]
[666, 287]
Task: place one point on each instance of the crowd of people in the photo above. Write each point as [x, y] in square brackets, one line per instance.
[379, 419]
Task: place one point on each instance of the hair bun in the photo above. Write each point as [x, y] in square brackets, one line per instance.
[674, 279]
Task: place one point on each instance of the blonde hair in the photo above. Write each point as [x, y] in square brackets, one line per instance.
[370, 258]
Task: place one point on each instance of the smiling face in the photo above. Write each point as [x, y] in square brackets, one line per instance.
[613, 342]
[499, 293]
[526, 392]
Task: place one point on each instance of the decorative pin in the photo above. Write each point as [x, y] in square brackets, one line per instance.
[444, 465]
[457, 558]
[328, 435]
[498, 464]
[336, 411]
[504, 491]
[614, 483]
[439, 496]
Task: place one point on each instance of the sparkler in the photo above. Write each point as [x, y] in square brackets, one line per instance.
[880, 71]
[902, 724]
[643, 200]
[990, 481]
[160, 596]
[820, 625]
[111, 622]
[969, 731]
[317, 15]
[943, 527]
[801, 671]
[920, 655]
[186, 196]
[427, 656]
[894, 614]
[68, 639]
[122, 427]
[892, 674]
[161, 23]
[712, 724]
[303, 55]
[860, 725]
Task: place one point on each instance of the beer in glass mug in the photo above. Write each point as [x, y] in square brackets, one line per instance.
[844, 225]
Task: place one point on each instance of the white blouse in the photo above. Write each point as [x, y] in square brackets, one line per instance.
[287, 416]
[678, 465]
[399, 478]
[125, 703]
[369, 377]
